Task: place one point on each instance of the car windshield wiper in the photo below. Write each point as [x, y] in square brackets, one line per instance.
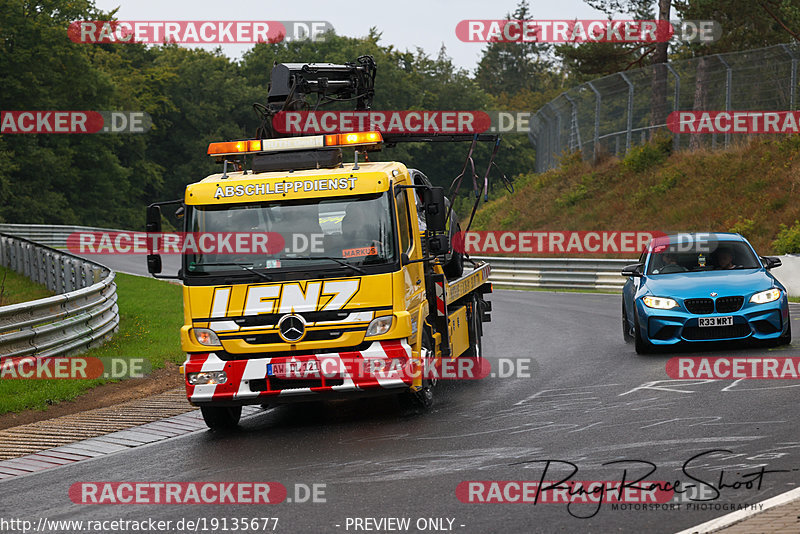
[331, 258]
[246, 266]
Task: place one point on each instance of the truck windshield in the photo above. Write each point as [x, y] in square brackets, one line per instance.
[334, 232]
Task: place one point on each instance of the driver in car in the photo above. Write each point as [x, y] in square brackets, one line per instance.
[725, 259]
[671, 264]
[361, 233]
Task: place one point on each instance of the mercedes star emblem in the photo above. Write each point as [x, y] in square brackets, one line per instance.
[292, 328]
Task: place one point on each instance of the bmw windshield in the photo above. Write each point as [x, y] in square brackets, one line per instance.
[701, 256]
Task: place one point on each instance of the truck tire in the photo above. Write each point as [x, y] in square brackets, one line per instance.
[423, 399]
[221, 417]
[454, 268]
[475, 349]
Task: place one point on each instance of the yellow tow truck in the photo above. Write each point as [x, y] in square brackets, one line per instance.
[355, 294]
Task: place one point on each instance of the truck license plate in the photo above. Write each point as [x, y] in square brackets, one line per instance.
[297, 369]
[716, 321]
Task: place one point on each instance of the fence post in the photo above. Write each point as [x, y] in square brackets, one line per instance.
[676, 105]
[792, 77]
[728, 81]
[597, 104]
[558, 131]
[574, 127]
[630, 112]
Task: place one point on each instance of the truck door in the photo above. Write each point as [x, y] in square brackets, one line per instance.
[410, 244]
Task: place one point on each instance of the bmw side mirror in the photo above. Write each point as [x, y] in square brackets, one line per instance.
[770, 262]
[633, 269]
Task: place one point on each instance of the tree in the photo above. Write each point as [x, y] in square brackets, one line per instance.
[516, 66]
[658, 114]
[586, 61]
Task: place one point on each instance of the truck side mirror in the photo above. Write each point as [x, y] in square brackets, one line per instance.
[439, 244]
[153, 225]
[435, 209]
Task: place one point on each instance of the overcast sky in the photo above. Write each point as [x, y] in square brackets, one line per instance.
[406, 24]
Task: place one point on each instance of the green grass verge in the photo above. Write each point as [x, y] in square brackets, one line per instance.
[794, 299]
[15, 288]
[151, 314]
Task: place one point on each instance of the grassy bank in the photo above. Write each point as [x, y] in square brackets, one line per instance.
[15, 288]
[151, 315]
[747, 189]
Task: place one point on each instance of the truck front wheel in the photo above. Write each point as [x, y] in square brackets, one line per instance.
[221, 417]
[422, 399]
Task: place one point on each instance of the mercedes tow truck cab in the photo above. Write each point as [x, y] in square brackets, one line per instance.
[348, 291]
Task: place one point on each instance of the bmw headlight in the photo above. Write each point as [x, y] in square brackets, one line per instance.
[763, 297]
[660, 303]
[380, 325]
[206, 337]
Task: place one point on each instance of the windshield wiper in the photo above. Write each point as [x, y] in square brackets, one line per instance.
[337, 260]
[246, 266]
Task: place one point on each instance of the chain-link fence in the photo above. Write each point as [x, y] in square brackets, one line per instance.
[611, 114]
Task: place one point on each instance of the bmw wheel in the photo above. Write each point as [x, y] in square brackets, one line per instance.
[626, 326]
[642, 345]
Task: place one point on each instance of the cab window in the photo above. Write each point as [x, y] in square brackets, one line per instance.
[403, 221]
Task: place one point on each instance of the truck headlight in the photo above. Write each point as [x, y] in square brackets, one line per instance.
[763, 297]
[660, 303]
[380, 325]
[207, 377]
[206, 337]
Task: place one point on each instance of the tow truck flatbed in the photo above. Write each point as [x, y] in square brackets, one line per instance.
[467, 282]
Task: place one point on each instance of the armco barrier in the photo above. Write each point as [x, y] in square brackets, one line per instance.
[81, 315]
[557, 273]
[554, 273]
[54, 236]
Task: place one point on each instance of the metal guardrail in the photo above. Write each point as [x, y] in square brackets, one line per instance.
[54, 236]
[81, 315]
[557, 273]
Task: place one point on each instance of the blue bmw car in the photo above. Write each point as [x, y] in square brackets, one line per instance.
[691, 288]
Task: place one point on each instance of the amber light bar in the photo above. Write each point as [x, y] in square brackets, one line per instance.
[253, 146]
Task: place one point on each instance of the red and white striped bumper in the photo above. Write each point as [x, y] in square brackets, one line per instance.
[248, 382]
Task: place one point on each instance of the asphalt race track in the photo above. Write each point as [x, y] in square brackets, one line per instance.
[589, 400]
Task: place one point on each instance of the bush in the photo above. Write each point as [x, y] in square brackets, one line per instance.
[788, 240]
[744, 226]
[570, 198]
[642, 157]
